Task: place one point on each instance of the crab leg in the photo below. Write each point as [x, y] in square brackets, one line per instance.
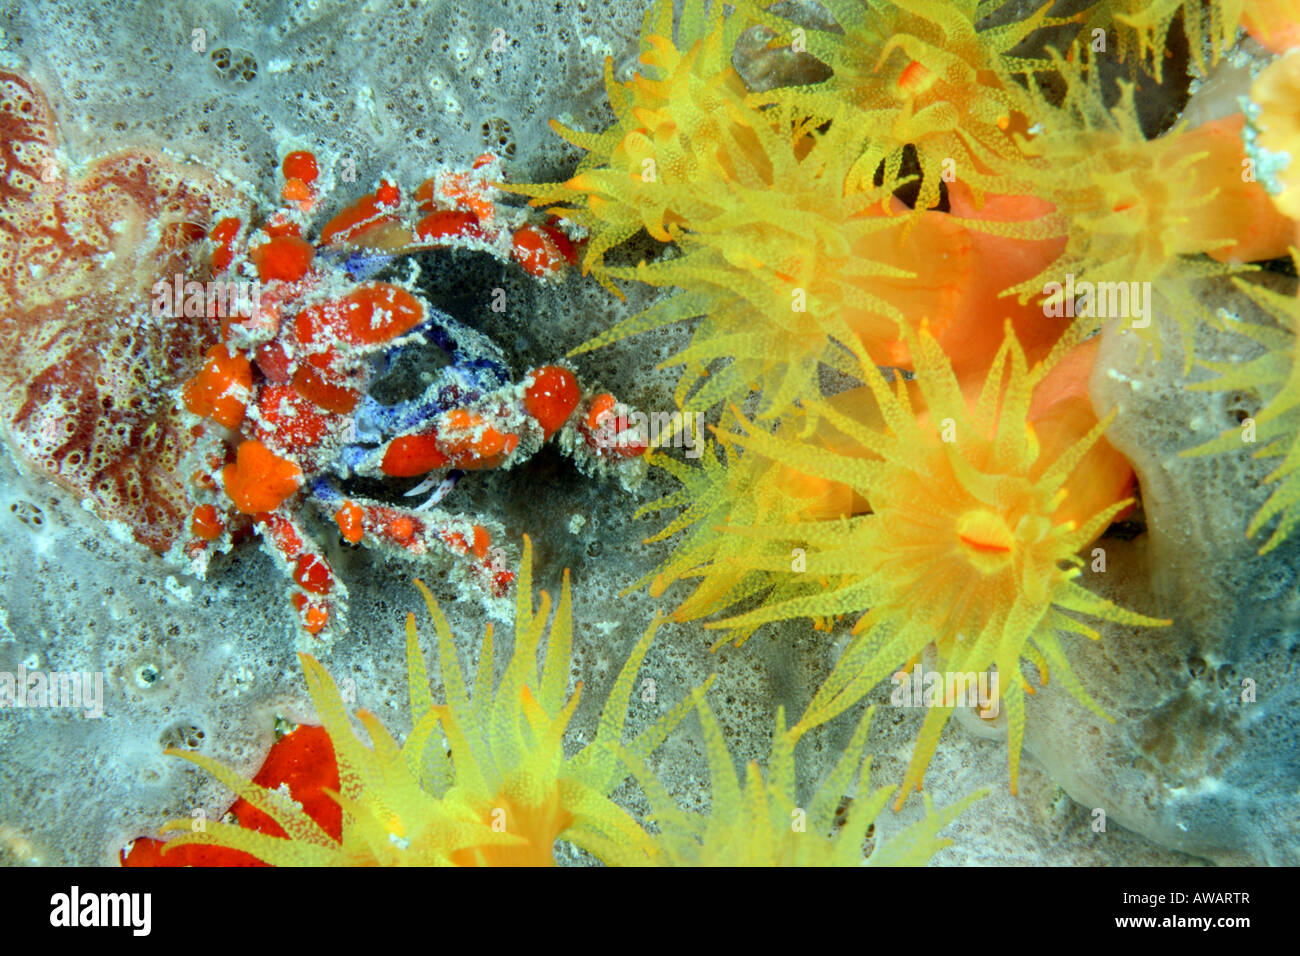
[316, 594]
[412, 534]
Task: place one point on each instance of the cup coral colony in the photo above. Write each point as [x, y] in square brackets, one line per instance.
[941, 273]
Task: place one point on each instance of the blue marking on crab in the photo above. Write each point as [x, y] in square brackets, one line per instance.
[359, 264]
[477, 366]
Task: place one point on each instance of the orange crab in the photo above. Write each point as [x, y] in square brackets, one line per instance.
[281, 411]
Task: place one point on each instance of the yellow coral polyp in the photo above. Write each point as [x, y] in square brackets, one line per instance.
[920, 75]
[524, 805]
[499, 792]
[730, 490]
[971, 540]
[780, 265]
[1142, 28]
[987, 538]
[391, 813]
[758, 818]
[1138, 210]
[680, 120]
[785, 260]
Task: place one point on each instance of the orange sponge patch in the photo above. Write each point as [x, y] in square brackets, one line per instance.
[413, 455]
[377, 313]
[220, 390]
[283, 257]
[551, 397]
[260, 480]
[470, 442]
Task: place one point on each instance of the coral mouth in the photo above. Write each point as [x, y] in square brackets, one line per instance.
[986, 536]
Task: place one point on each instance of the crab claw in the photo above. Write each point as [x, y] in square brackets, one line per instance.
[476, 366]
[606, 424]
[494, 431]
[444, 488]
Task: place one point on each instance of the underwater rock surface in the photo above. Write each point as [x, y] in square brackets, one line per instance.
[1201, 757]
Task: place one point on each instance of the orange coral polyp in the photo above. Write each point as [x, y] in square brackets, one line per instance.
[289, 419]
[300, 165]
[332, 398]
[313, 616]
[1241, 210]
[482, 540]
[206, 524]
[973, 534]
[312, 573]
[368, 315]
[1274, 23]
[1276, 130]
[1060, 412]
[349, 518]
[369, 219]
[411, 455]
[379, 312]
[223, 237]
[446, 224]
[537, 251]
